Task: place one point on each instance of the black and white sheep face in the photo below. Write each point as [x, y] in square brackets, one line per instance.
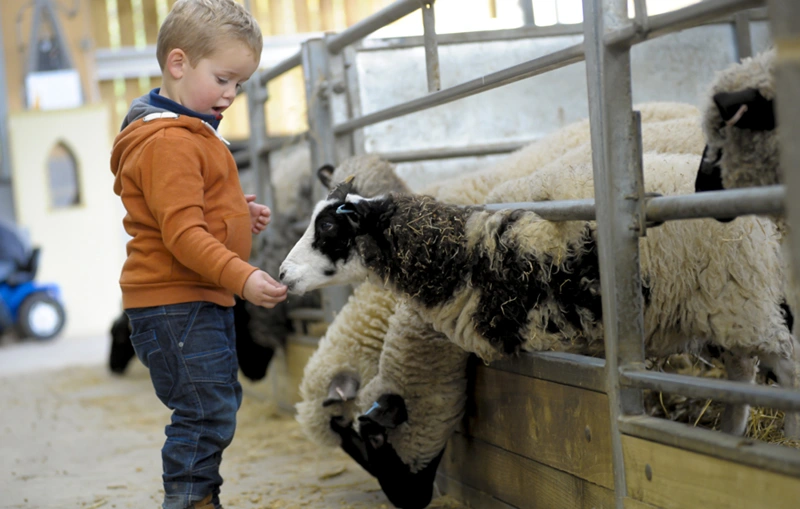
[326, 254]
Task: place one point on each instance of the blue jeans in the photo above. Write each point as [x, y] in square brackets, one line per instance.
[190, 350]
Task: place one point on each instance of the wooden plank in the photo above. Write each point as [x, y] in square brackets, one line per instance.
[150, 13]
[559, 367]
[467, 495]
[632, 503]
[99, 23]
[673, 478]
[516, 480]
[302, 22]
[125, 16]
[326, 15]
[352, 12]
[561, 426]
[276, 17]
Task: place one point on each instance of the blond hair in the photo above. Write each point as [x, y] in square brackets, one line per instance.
[198, 26]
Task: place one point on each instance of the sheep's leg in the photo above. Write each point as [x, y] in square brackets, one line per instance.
[787, 371]
[739, 368]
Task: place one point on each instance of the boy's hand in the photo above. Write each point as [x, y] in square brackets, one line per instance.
[261, 290]
[260, 215]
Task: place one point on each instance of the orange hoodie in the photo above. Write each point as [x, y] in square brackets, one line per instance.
[186, 213]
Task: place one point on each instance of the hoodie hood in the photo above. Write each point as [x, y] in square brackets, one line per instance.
[154, 102]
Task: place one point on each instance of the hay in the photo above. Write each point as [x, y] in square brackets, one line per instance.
[764, 424]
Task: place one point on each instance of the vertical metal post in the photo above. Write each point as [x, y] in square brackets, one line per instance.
[317, 76]
[431, 46]
[527, 12]
[618, 197]
[6, 191]
[259, 158]
[741, 32]
[785, 24]
[354, 97]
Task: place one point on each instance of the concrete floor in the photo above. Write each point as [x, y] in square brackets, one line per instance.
[73, 435]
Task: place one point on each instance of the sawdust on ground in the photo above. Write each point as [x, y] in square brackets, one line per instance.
[83, 438]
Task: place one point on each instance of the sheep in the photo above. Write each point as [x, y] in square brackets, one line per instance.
[425, 399]
[498, 282]
[345, 360]
[739, 127]
[571, 142]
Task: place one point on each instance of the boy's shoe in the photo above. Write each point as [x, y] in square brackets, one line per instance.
[204, 504]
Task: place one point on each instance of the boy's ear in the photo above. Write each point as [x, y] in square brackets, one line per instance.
[176, 63]
[324, 174]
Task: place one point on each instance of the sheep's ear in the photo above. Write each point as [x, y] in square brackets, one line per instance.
[325, 174]
[389, 411]
[343, 387]
[342, 189]
[746, 109]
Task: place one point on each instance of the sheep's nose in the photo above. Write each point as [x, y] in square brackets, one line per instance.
[282, 274]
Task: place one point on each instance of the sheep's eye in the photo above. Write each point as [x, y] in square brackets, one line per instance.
[326, 226]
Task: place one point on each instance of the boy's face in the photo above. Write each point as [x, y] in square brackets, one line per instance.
[210, 86]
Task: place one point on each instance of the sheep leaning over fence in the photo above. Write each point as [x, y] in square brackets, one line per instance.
[498, 282]
[383, 384]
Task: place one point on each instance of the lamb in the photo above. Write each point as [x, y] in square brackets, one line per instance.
[498, 282]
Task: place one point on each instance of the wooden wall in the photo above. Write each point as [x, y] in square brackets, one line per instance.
[134, 23]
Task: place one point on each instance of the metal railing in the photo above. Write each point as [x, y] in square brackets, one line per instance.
[609, 34]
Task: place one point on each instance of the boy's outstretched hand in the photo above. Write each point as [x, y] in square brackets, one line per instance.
[260, 289]
[260, 215]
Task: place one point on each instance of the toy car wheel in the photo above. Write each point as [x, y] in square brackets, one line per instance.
[41, 316]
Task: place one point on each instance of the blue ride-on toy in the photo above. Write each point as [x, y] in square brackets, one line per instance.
[33, 309]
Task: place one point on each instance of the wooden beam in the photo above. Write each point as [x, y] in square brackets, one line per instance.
[150, 12]
[326, 15]
[125, 16]
[99, 23]
[557, 425]
[301, 18]
[518, 481]
[673, 478]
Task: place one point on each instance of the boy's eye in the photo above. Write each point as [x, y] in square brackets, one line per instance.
[222, 81]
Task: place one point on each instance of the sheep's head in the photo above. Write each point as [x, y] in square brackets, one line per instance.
[372, 449]
[328, 253]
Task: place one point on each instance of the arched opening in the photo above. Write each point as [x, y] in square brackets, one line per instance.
[62, 171]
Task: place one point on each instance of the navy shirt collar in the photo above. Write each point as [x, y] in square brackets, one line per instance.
[159, 101]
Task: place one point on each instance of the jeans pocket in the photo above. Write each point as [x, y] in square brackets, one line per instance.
[149, 352]
[214, 367]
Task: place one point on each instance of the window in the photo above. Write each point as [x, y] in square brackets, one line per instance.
[62, 171]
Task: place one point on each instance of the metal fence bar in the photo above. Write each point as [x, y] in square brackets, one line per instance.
[741, 32]
[754, 453]
[450, 153]
[431, 46]
[526, 6]
[508, 34]
[317, 72]
[785, 24]
[617, 164]
[732, 203]
[561, 58]
[718, 390]
[679, 19]
[723, 204]
[280, 68]
[372, 23]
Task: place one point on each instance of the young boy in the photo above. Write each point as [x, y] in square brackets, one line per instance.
[190, 225]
